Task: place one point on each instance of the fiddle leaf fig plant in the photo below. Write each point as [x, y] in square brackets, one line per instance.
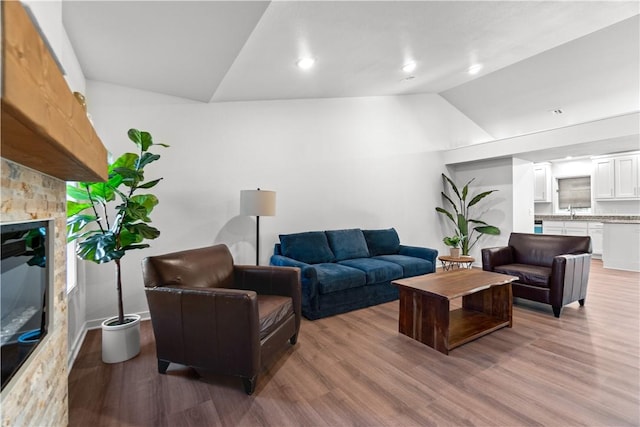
[465, 226]
[115, 230]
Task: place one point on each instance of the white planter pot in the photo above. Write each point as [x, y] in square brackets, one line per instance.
[455, 252]
[120, 342]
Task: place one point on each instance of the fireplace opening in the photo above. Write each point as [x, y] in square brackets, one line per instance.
[25, 287]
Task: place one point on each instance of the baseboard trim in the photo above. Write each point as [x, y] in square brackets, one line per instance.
[87, 326]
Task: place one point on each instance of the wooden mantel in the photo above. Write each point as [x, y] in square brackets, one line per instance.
[43, 126]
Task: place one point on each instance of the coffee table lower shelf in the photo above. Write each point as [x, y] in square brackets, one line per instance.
[467, 325]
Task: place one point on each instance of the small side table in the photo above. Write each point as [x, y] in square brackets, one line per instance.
[449, 262]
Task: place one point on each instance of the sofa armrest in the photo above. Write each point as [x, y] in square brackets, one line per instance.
[186, 323]
[494, 257]
[419, 252]
[264, 280]
[569, 278]
[308, 273]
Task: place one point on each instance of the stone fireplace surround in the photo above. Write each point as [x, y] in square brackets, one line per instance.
[37, 395]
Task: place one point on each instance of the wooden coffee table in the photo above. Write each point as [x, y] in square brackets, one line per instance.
[425, 313]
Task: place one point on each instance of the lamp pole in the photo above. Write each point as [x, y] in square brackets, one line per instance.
[257, 239]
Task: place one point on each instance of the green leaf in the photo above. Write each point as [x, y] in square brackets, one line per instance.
[78, 194]
[127, 160]
[135, 136]
[479, 197]
[455, 208]
[150, 183]
[147, 158]
[78, 222]
[143, 246]
[462, 225]
[453, 186]
[127, 238]
[129, 176]
[135, 212]
[144, 230]
[99, 248]
[149, 201]
[74, 208]
[141, 138]
[147, 140]
[442, 211]
[488, 229]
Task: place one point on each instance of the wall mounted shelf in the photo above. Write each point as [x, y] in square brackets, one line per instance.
[43, 125]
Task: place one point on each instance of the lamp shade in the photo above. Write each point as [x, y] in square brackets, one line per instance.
[257, 202]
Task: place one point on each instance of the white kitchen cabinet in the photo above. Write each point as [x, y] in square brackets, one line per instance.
[616, 177]
[577, 228]
[552, 227]
[567, 228]
[603, 178]
[595, 231]
[626, 177]
[542, 183]
[621, 246]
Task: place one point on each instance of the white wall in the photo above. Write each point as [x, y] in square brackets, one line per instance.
[335, 163]
[522, 190]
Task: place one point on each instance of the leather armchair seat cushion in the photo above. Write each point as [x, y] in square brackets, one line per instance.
[347, 244]
[337, 277]
[376, 270]
[311, 247]
[273, 310]
[534, 275]
[382, 242]
[411, 266]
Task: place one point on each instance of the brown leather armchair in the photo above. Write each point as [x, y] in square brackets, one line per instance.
[210, 314]
[551, 269]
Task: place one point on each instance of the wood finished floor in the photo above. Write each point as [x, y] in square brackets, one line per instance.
[355, 369]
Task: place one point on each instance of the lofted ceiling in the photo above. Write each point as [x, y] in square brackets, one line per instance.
[581, 56]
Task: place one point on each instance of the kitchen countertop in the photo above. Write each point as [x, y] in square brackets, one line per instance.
[610, 219]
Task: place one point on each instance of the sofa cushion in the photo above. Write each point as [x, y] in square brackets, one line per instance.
[347, 244]
[528, 274]
[382, 242]
[311, 247]
[411, 266]
[376, 270]
[336, 277]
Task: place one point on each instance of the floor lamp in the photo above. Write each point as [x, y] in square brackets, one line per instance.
[257, 203]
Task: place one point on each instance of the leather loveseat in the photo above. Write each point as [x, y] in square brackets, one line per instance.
[551, 269]
[344, 270]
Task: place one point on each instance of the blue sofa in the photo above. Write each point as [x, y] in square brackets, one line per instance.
[344, 270]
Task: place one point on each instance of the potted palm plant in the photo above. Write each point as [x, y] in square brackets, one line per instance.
[116, 230]
[466, 228]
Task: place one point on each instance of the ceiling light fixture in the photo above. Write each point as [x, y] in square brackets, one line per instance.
[556, 111]
[305, 63]
[409, 67]
[475, 69]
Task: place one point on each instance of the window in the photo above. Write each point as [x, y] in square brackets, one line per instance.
[574, 192]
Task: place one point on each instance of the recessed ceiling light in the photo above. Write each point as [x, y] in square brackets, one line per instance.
[475, 69]
[409, 67]
[305, 63]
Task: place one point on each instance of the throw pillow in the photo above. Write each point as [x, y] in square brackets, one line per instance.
[310, 247]
[382, 242]
[347, 244]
